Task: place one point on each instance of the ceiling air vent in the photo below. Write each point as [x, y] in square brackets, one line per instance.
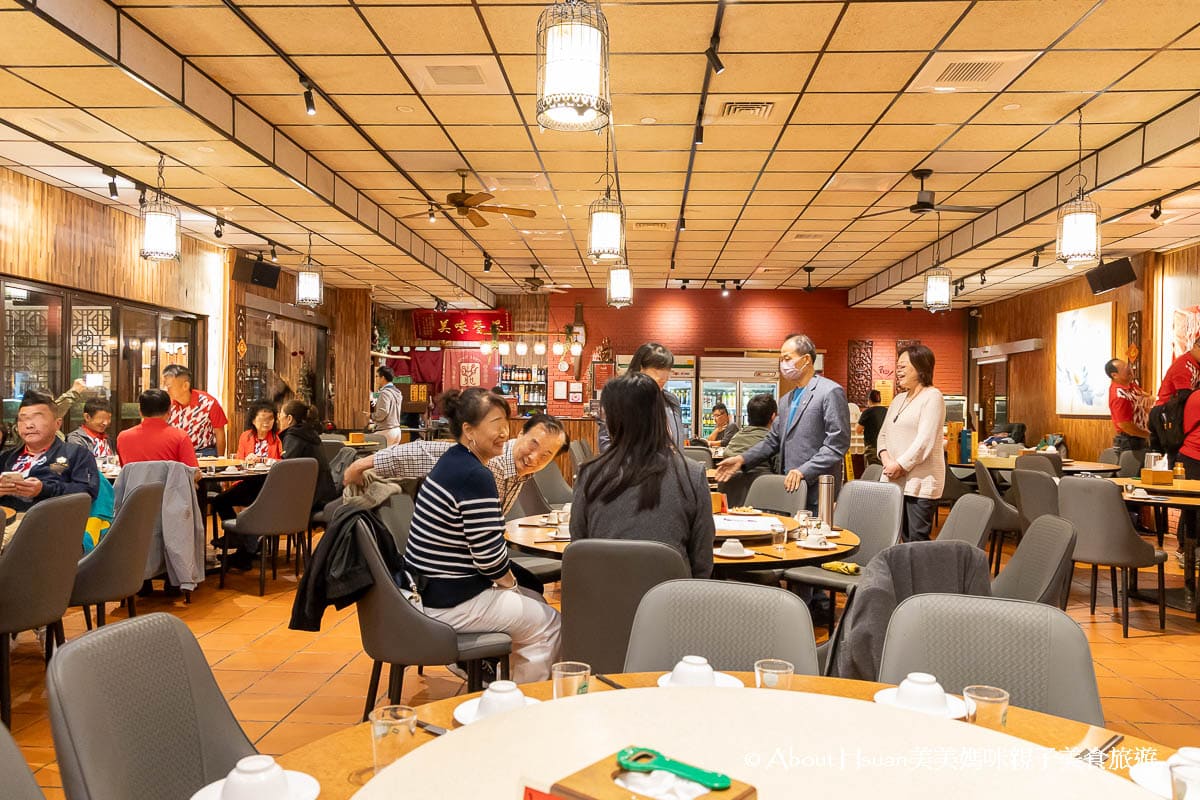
[807, 237]
[455, 75]
[971, 72]
[738, 110]
[460, 74]
[650, 226]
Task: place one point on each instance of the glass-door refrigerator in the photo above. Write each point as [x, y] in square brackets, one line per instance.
[682, 384]
[733, 381]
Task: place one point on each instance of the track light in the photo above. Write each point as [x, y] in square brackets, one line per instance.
[274, 255]
[260, 257]
[683, 284]
[487, 263]
[1037, 256]
[439, 304]
[983, 278]
[219, 229]
[682, 226]
[737, 285]
[698, 136]
[724, 289]
[112, 184]
[908, 305]
[432, 217]
[1155, 210]
[714, 60]
[310, 107]
[141, 196]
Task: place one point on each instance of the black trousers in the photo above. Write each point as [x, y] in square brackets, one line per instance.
[242, 493]
[918, 518]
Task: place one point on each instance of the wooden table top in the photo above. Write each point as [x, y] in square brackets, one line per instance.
[342, 762]
[212, 461]
[1178, 486]
[9, 514]
[531, 537]
[996, 462]
[1169, 496]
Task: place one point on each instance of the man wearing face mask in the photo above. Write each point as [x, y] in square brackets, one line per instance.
[811, 433]
[542, 438]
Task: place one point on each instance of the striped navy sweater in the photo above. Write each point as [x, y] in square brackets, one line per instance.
[457, 536]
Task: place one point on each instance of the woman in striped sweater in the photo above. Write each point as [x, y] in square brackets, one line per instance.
[456, 553]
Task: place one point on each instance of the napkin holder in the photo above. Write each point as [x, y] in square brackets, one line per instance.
[597, 782]
[355, 437]
[1158, 477]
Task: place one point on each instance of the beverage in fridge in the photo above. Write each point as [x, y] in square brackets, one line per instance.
[733, 381]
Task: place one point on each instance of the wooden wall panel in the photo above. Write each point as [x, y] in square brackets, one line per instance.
[350, 349]
[1031, 375]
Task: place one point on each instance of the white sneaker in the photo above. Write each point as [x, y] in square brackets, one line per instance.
[41, 637]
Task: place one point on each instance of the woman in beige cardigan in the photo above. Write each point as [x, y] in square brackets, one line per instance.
[910, 442]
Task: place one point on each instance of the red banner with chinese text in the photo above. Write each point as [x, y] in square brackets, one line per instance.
[458, 326]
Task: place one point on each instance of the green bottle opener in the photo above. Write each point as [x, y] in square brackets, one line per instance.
[643, 759]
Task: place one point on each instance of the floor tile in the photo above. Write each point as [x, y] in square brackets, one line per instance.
[1139, 711]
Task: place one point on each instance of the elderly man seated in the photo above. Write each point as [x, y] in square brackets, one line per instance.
[44, 466]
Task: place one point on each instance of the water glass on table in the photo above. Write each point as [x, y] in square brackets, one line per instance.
[392, 730]
[987, 706]
[773, 673]
[778, 535]
[570, 678]
[1185, 781]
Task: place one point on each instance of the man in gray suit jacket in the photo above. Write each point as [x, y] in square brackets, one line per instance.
[811, 433]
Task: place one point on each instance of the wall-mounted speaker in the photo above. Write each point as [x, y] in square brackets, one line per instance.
[1111, 275]
[247, 269]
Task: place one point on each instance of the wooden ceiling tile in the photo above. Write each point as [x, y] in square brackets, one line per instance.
[20, 93]
[1158, 22]
[840, 108]
[1065, 136]
[931, 107]
[672, 161]
[673, 28]
[250, 74]
[475, 109]
[242, 177]
[62, 125]
[757, 73]
[408, 137]
[1078, 71]
[774, 180]
[284, 197]
[907, 137]
[758, 138]
[1131, 106]
[651, 73]
[992, 137]
[352, 160]
[1171, 69]
[865, 72]
[665, 109]
[91, 87]
[776, 27]
[492, 161]
[441, 30]
[702, 181]
[29, 42]
[163, 124]
[727, 161]
[315, 29]
[330, 137]
[547, 141]
[490, 137]
[200, 31]
[895, 26]
[380, 109]
[810, 161]
[513, 27]
[822, 137]
[1032, 108]
[354, 74]
[1016, 24]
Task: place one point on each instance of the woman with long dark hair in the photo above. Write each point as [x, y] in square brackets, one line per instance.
[642, 487]
[457, 556]
[655, 360]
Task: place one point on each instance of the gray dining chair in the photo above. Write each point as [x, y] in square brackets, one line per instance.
[135, 712]
[554, 488]
[1106, 537]
[333, 437]
[396, 513]
[331, 447]
[531, 501]
[1006, 518]
[395, 632]
[114, 570]
[872, 511]
[16, 781]
[953, 487]
[341, 459]
[767, 493]
[872, 473]
[1039, 462]
[1131, 464]
[604, 580]
[37, 571]
[1109, 455]
[701, 454]
[969, 520]
[1034, 651]
[283, 507]
[1037, 495]
[1041, 568]
[586, 448]
[730, 624]
[579, 453]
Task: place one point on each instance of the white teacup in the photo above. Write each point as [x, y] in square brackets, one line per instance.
[500, 696]
[566, 509]
[693, 671]
[920, 691]
[1140, 492]
[732, 547]
[816, 539]
[1185, 755]
[563, 531]
[256, 778]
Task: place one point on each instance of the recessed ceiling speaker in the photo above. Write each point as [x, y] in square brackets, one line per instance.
[1111, 275]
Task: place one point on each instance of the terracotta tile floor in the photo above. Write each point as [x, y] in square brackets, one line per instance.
[288, 688]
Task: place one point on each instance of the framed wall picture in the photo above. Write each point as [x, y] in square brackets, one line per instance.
[575, 397]
[560, 390]
[1083, 344]
[576, 386]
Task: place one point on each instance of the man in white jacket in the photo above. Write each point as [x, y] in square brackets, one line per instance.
[386, 414]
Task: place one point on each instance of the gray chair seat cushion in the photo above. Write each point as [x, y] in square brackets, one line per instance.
[545, 569]
[319, 518]
[815, 576]
[483, 645]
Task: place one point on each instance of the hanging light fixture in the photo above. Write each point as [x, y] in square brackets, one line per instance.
[606, 218]
[1078, 241]
[485, 347]
[572, 67]
[558, 348]
[620, 288]
[938, 279]
[502, 348]
[310, 283]
[539, 348]
[522, 347]
[576, 348]
[160, 223]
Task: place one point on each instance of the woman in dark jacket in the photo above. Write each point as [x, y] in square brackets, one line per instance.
[655, 360]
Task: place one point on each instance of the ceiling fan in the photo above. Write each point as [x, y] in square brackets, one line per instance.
[809, 287]
[469, 205]
[536, 285]
[926, 201]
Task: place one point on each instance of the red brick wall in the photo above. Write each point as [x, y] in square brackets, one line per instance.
[690, 321]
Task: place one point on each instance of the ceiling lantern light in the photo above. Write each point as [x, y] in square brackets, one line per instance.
[522, 347]
[937, 289]
[606, 231]
[620, 289]
[1078, 240]
[160, 223]
[310, 283]
[576, 348]
[558, 348]
[539, 348]
[572, 67]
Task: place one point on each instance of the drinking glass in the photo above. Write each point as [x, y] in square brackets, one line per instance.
[987, 706]
[773, 673]
[1185, 782]
[570, 678]
[392, 730]
[778, 536]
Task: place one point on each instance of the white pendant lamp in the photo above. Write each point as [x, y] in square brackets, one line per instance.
[310, 283]
[522, 347]
[572, 67]
[620, 287]
[558, 348]
[1078, 240]
[160, 223]
[539, 348]
[937, 290]
[606, 231]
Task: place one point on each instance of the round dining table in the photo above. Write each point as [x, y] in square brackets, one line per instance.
[821, 736]
[535, 536]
